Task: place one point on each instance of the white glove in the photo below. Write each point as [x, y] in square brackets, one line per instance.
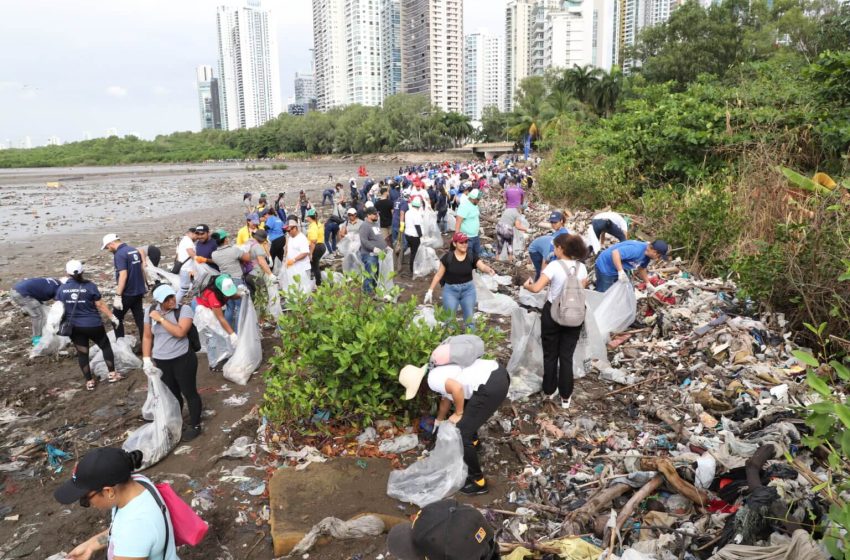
[147, 365]
[622, 277]
[429, 297]
[115, 321]
[233, 338]
[242, 290]
[437, 423]
[117, 303]
[377, 252]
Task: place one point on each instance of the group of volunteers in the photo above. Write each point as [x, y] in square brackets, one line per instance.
[216, 270]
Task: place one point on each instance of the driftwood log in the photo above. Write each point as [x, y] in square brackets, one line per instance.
[683, 487]
[580, 519]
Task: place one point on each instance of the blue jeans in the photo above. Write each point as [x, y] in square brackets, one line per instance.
[537, 261]
[475, 246]
[603, 282]
[232, 307]
[372, 266]
[328, 197]
[394, 237]
[331, 229]
[462, 295]
[601, 227]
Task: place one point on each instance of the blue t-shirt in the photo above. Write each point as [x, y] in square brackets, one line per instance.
[399, 206]
[274, 227]
[206, 248]
[40, 289]
[550, 255]
[632, 255]
[470, 223]
[139, 529]
[79, 303]
[541, 244]
[130, 259]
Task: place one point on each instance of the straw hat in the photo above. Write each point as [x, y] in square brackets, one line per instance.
[411, 378]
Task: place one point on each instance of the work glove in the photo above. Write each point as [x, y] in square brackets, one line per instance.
[622, 277]
[233, 337]
[117, 303]
[115, 321]
[242, 290]
[429, 297]
[147, 365]
[201, 260]
[289, 263]
[401, 227]
[377, 252]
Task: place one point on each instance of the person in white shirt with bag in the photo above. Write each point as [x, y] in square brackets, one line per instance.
[563, 313]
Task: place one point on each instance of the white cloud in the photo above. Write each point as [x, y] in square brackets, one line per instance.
[161, 90]
[116, 91]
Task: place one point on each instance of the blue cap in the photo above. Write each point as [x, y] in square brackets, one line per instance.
[163, 292]
[254, 218]
[556, 216]
[662, 248]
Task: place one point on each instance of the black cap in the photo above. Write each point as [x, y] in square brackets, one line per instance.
[261, 235]
[202, 228]
[662, 248]
[99, 468]
[371, 210]
[444, 530]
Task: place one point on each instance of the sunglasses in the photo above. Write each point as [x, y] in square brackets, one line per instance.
[85, 501]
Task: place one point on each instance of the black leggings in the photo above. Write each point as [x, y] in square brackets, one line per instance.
[134, 304]
[559, 345]
[277, 248]
[413, 243]
[81, 336]
[485, 401]
[181, 376]
[318, 252]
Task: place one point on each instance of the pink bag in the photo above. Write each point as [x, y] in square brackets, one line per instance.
[189, 528]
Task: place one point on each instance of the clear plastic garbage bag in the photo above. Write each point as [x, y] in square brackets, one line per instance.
[273, 290]
[425, 314]
[591, 240]
[451, 218]
[520, 238]
[249, 352]
[214, 339]
[617, 309]
[490, 303]
[431, 231]
[122, 350]
[156, 439]
[156, 274]
[426, 262]
[349, 248]
[51, 343]
[295, 276]
[385, 271]
[526, 363]
[531, 299]
[591, 342]
[437, 476]
[203, 273]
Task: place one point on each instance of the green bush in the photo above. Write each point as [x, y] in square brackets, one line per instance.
[341, 351]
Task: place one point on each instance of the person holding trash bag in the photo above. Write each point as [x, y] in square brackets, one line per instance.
[613, 262]
[476, 391]
[166, 340]
[215, 296]
[130, 279]
[230, 259]
[510, 221]
[455, 275]
[141, 524]
[447, 530]
[316, 237]
[414, 222]
[83, 306]
[559, 341]
[372, 248]
[30, 294]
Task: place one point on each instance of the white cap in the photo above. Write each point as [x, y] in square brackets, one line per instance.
[73, 267]
[109, 238]
[369, 204]
[351, 211]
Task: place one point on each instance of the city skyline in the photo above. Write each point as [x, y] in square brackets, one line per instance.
[110, 75]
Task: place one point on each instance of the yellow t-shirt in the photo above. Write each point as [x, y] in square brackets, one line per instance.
[243, 235]
[315, 233]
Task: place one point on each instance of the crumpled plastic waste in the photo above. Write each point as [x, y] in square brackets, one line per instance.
[399, 444]
[365, 526]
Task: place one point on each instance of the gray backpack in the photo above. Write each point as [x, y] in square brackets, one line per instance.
[568, 309]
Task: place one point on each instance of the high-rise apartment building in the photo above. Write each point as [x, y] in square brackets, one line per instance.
[517, 42]
[329, 53]
[537, 36]
[432, 51]
[363, 76]
[208, 98]
[249, 73]
[483, 74]
[569, 36]
[391, 46]
[53, 141]
[305, 91]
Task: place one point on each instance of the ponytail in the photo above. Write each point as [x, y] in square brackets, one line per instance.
[134, 459]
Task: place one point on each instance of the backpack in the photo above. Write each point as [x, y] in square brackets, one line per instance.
[568, 309]
[192, 336]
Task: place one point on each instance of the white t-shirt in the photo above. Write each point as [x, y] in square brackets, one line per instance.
[557, 277]
[471, 378]
[138, 530]
[183, 248]
[294, 247]
[413, 218]
[618, 220]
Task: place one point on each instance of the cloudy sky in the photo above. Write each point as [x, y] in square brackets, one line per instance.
[71, 67]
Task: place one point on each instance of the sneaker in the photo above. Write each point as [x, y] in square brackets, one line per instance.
[191, 433]
[36, 340]
[565, 403]
[475, 487]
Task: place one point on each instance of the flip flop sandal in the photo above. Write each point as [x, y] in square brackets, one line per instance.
[115, 377]
[91, 384]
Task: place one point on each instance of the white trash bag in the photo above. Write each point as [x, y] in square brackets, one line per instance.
[288, 277]
[155, 274]
[122, 350]
[349, 248]
[273, 307]
[531, 299]
[425, 314]
[488, 302]
[51, 343]
[520, 238]
[451, 218]
[431, 236]
[617, 309]
[526, 363]
[437, 476]
[426, 262]
[385, 271]
[591, 343]
[214, 339]
[249, 352]
[156, 439]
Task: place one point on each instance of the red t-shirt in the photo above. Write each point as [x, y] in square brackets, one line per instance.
[209, 299]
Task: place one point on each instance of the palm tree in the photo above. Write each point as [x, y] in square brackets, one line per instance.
[458, 127]
[606, 91]
[580, 80]
[530, 110]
